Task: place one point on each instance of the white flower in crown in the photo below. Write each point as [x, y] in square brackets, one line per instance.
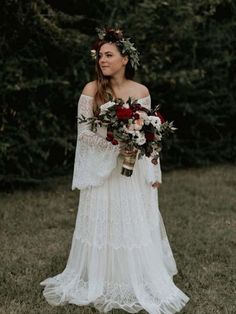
[93, 53]
[104, 108]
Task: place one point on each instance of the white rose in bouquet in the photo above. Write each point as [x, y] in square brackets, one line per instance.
[104, 107]
[155, 121]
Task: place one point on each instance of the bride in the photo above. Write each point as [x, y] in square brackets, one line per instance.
[120, 255]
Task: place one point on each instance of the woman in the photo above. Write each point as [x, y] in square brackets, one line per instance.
[120, 255]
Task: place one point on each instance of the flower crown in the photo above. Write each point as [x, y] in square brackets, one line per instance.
[116, 36]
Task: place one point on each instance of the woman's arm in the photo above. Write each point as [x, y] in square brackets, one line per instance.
[95, 157]
[84, 133]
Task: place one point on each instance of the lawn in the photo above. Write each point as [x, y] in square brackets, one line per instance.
[199, 211]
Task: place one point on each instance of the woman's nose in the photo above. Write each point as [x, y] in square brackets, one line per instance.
[102, 59]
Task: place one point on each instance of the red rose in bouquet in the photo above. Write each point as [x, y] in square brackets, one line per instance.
[124, 113]
[160, 116]
[150, 136]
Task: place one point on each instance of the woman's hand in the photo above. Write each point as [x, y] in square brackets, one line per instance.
[156, 185]
[126, 152]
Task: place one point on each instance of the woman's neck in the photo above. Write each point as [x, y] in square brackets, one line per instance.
[117, 82]
[118, 85]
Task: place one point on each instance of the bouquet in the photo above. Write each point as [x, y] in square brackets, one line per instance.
[135, 127]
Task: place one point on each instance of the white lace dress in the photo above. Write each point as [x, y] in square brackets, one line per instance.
[120, 255]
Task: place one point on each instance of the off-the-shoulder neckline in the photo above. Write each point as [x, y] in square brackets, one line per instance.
[137, 99]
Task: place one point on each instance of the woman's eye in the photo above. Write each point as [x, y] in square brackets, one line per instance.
[106, 56]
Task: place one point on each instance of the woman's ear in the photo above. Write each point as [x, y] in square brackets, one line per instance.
[125, 60]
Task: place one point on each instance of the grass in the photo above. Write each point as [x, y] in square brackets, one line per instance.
[198, 207]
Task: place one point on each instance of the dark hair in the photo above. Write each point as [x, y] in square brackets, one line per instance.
[103, 82]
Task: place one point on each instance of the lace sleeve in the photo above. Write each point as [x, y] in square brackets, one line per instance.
[151, 172]
[95, 157]
[85, 135]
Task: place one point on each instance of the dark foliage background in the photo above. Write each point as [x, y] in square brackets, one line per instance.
[188, 63]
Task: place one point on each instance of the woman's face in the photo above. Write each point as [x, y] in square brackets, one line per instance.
[111, 61]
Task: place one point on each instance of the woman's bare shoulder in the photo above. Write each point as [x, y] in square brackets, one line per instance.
[90, 89]
[140, 90]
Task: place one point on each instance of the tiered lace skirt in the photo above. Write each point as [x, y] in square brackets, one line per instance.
[120, 255]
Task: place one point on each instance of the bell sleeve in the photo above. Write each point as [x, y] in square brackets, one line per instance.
[95, 157]
[152, 173]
